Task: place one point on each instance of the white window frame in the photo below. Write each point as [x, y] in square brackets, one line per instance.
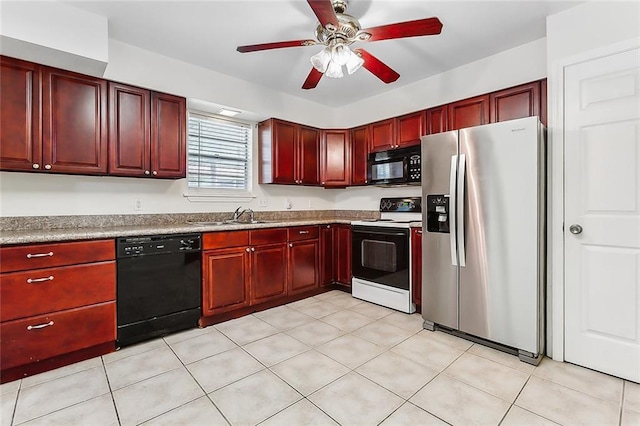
[223, 195]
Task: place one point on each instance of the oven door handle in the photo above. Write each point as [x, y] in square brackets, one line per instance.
[453, 229]
[392, 234]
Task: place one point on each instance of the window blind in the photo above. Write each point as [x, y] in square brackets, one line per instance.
[218, 153]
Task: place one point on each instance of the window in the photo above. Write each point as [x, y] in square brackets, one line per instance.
[218, 154]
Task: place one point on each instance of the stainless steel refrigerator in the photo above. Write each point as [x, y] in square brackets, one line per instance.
[483, 265]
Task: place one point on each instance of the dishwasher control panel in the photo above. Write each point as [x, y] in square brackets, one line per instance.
[157, 244]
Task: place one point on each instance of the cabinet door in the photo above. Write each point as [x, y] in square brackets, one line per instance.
[284, 151]
[308, 156]
[336, 158]
[342, 252]
[515, 102]
[416, 265]
[129, 130]
[168, 135]
[74, 123]
[303, 266]
[543, 101]
[225, 280]
[468, 112]
[268, 272]
[327, 274]
[436, 120]
[359, 155]
[409, 128]
[20, 137]
[382, 135]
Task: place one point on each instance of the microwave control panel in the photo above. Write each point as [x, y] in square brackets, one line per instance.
[414, 168]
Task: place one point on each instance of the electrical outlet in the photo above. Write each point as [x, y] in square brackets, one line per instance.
[287, 204]
[137, 205]
[263, 202]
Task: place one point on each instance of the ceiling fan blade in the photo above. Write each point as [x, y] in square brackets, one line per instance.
[324, 12]
[312, 79]
[275, 45]
[420, 27]
[378, 68]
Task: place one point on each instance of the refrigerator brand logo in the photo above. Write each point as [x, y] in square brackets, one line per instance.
[519, 129]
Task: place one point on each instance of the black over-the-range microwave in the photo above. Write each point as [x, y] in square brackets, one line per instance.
[395, 167]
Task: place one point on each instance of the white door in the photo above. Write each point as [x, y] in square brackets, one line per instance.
[602, 196]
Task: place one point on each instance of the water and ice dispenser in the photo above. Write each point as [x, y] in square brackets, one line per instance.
[438, 213]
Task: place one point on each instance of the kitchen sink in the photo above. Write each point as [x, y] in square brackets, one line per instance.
[226, 222]
[206, 223]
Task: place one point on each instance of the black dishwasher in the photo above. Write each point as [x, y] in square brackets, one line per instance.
[158, 286]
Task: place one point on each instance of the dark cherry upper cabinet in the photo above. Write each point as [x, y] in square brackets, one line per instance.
[147, 133]
[20, 120]
[515, 102]
[74, 113]
[168, 135]
[335, 164]
[288, 153]
[382, 135]
[129, 130]
[409, 129]
[359, 155]
[416, 266]
[468, 112]
[308, 156]
[342, 254]
[327, 271]
[436, 120]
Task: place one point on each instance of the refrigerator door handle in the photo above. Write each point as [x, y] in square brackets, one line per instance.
[460, 209]
[452, 209]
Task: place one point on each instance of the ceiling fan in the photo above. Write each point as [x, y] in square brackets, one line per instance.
[337, 31]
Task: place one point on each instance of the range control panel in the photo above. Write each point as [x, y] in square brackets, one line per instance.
[401, 205]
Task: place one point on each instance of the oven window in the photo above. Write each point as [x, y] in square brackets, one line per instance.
[394, 170]
[380, 255]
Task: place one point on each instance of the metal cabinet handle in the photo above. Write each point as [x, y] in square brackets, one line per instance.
[33, 256]
[39, 280]
[36, 166]
[248, 249]
[36, 327]
[253, 249]
[155, 173]
[575, 229]
[47, 166]
[147, 172]
[328, 226]
[419, 232]
[304, 232]
[290, 244]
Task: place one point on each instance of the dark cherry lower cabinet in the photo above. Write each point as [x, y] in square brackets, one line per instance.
[268, 272]
[304, 253]
[342, 254]
[327, 271]
[225, 280]
[416, 265]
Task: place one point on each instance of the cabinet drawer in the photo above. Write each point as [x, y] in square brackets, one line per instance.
[27, 293]
[301, 233]
[267, 236]
[21, 258]
[216, 240]
[36, 338]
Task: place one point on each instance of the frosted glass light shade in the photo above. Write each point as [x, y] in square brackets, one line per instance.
[354, 63]
[340, 54]
[320, 60]
[334, 70]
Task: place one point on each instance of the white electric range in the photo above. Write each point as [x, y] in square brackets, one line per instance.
[381, 258]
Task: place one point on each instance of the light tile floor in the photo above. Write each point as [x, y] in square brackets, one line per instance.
[326, 360]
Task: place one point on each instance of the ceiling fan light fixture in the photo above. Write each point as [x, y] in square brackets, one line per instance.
[340, 54]
[354, 63]
[334, 70]
[320, 60]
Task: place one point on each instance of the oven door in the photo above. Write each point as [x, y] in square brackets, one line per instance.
[381, 255]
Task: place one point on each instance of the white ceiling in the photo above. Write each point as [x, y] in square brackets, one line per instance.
[206, 33]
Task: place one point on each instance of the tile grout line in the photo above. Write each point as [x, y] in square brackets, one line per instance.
[113, 400]
[621, 410]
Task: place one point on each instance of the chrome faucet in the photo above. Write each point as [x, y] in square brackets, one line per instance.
[237, 214]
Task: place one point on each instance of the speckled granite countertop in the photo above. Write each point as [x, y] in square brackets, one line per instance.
[40, 230]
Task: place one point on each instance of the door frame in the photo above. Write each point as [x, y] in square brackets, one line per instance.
[555, 193]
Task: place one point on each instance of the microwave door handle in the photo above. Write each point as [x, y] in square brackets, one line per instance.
[452, 209]
[460, 210]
